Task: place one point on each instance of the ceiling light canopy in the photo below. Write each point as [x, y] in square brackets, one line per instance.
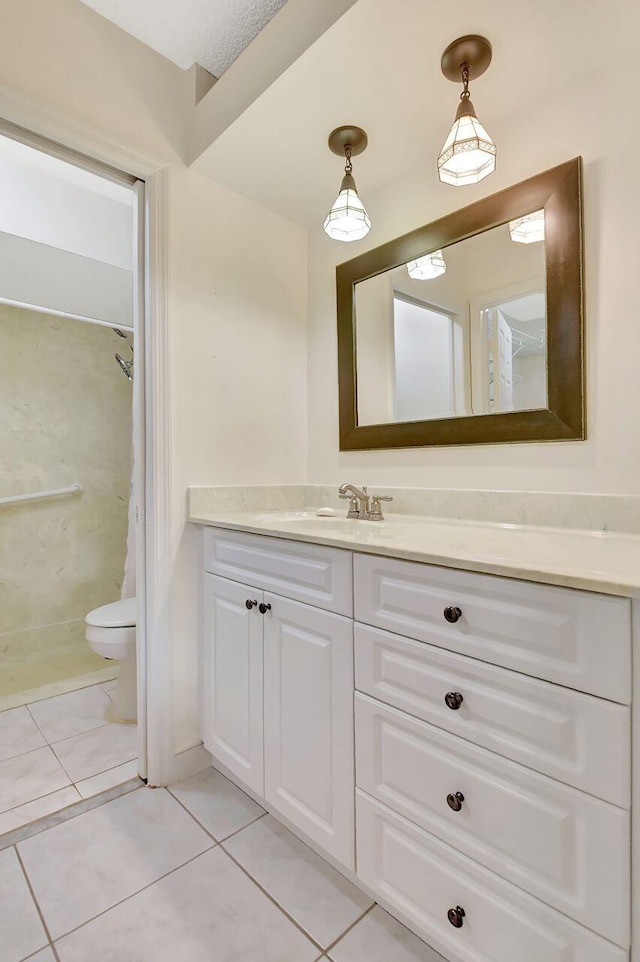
[528, 229]
[468, 154]
[347, 220]
[427, 267]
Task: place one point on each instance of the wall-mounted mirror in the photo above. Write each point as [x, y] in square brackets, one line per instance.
[469, 330]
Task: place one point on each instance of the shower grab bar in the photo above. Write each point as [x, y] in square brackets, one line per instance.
[41, 495]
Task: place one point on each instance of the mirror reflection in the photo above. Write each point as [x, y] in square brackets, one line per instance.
[457, 332]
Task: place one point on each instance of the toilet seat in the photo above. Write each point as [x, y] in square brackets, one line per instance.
[118, 614]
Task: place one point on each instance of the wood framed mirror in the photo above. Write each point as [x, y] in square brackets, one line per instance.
[469, 330]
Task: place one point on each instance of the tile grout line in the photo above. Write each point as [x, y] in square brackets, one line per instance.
[99, 728]
[127, 898]
[350, 927]
[36, 701]
[66, 738]
[36, 903]
[70, 783]
[35, 722]
[218, 841]
[104, 772]
[63, 695]
[39, 798]
[272, 899]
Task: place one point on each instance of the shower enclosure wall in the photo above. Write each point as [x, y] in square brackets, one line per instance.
[66, 418]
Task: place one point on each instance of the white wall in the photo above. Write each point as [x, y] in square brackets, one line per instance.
[42, 276]
[590, 120]
[237, 274]
[42, 207]
[238, 307]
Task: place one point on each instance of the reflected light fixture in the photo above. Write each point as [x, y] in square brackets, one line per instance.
[427, 267]
[469, 154]
[528, 229]
[347, 220]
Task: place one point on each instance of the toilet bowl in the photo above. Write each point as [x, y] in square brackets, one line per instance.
[111, 632]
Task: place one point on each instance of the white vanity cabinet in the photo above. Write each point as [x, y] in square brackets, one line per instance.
[460, 742]
[493, 742]
[278, 679]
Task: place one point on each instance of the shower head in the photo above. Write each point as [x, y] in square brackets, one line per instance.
[125, 366]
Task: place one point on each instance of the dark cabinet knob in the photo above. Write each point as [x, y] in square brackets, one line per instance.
[452, 615]
[264, 608]
[455, 801]
[453, 700]
[456, 916]
[250, 604]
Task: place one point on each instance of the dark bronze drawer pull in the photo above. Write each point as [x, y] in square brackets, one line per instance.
[264, 608]
[455, 801]
[453, 700]
[250, 604]
[456, 916]
[452, 615]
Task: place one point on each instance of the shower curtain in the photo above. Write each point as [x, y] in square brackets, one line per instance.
[129, 579]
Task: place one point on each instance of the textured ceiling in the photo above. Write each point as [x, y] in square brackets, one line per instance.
[209, 32]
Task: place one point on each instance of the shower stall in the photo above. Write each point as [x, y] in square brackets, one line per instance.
[67, 255]
[67, 428]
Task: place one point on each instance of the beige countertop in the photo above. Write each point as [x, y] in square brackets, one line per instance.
[607, 562]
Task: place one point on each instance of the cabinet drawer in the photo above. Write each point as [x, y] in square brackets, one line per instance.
[422, 878]
[574, 638]
[561, 845]
[553, 730]
[310, 573]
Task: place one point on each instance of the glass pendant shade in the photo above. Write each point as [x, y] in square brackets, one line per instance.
[347, 220]
[427, 267]
[469, 154]
[528, 229]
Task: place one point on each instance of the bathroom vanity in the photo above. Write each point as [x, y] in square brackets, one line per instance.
[457, 741]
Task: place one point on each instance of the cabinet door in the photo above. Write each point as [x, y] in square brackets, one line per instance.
[232, 709]
[308, 718]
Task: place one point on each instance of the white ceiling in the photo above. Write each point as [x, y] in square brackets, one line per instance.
[209, 32]
[378, 67]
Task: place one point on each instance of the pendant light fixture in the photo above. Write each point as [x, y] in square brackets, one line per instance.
[528, 229]
[427, 267]
[469, 154]
[347, 220]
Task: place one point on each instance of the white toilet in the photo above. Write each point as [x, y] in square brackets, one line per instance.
[111, 632]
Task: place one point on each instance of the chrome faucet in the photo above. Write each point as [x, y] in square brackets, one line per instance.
[358, 501]
[361, 506]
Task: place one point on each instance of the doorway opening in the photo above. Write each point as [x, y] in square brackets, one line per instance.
[72, 372]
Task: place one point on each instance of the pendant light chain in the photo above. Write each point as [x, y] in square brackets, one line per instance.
[348, 167]
[464, 70]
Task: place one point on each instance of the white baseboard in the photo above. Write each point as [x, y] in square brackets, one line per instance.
[186, 763]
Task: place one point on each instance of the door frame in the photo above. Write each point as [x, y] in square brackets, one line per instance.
[149, 178]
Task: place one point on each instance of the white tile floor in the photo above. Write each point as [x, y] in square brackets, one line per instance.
[58, 751]
[197, 873]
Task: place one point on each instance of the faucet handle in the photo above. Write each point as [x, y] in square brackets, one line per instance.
[375, 514]
[354, 507]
